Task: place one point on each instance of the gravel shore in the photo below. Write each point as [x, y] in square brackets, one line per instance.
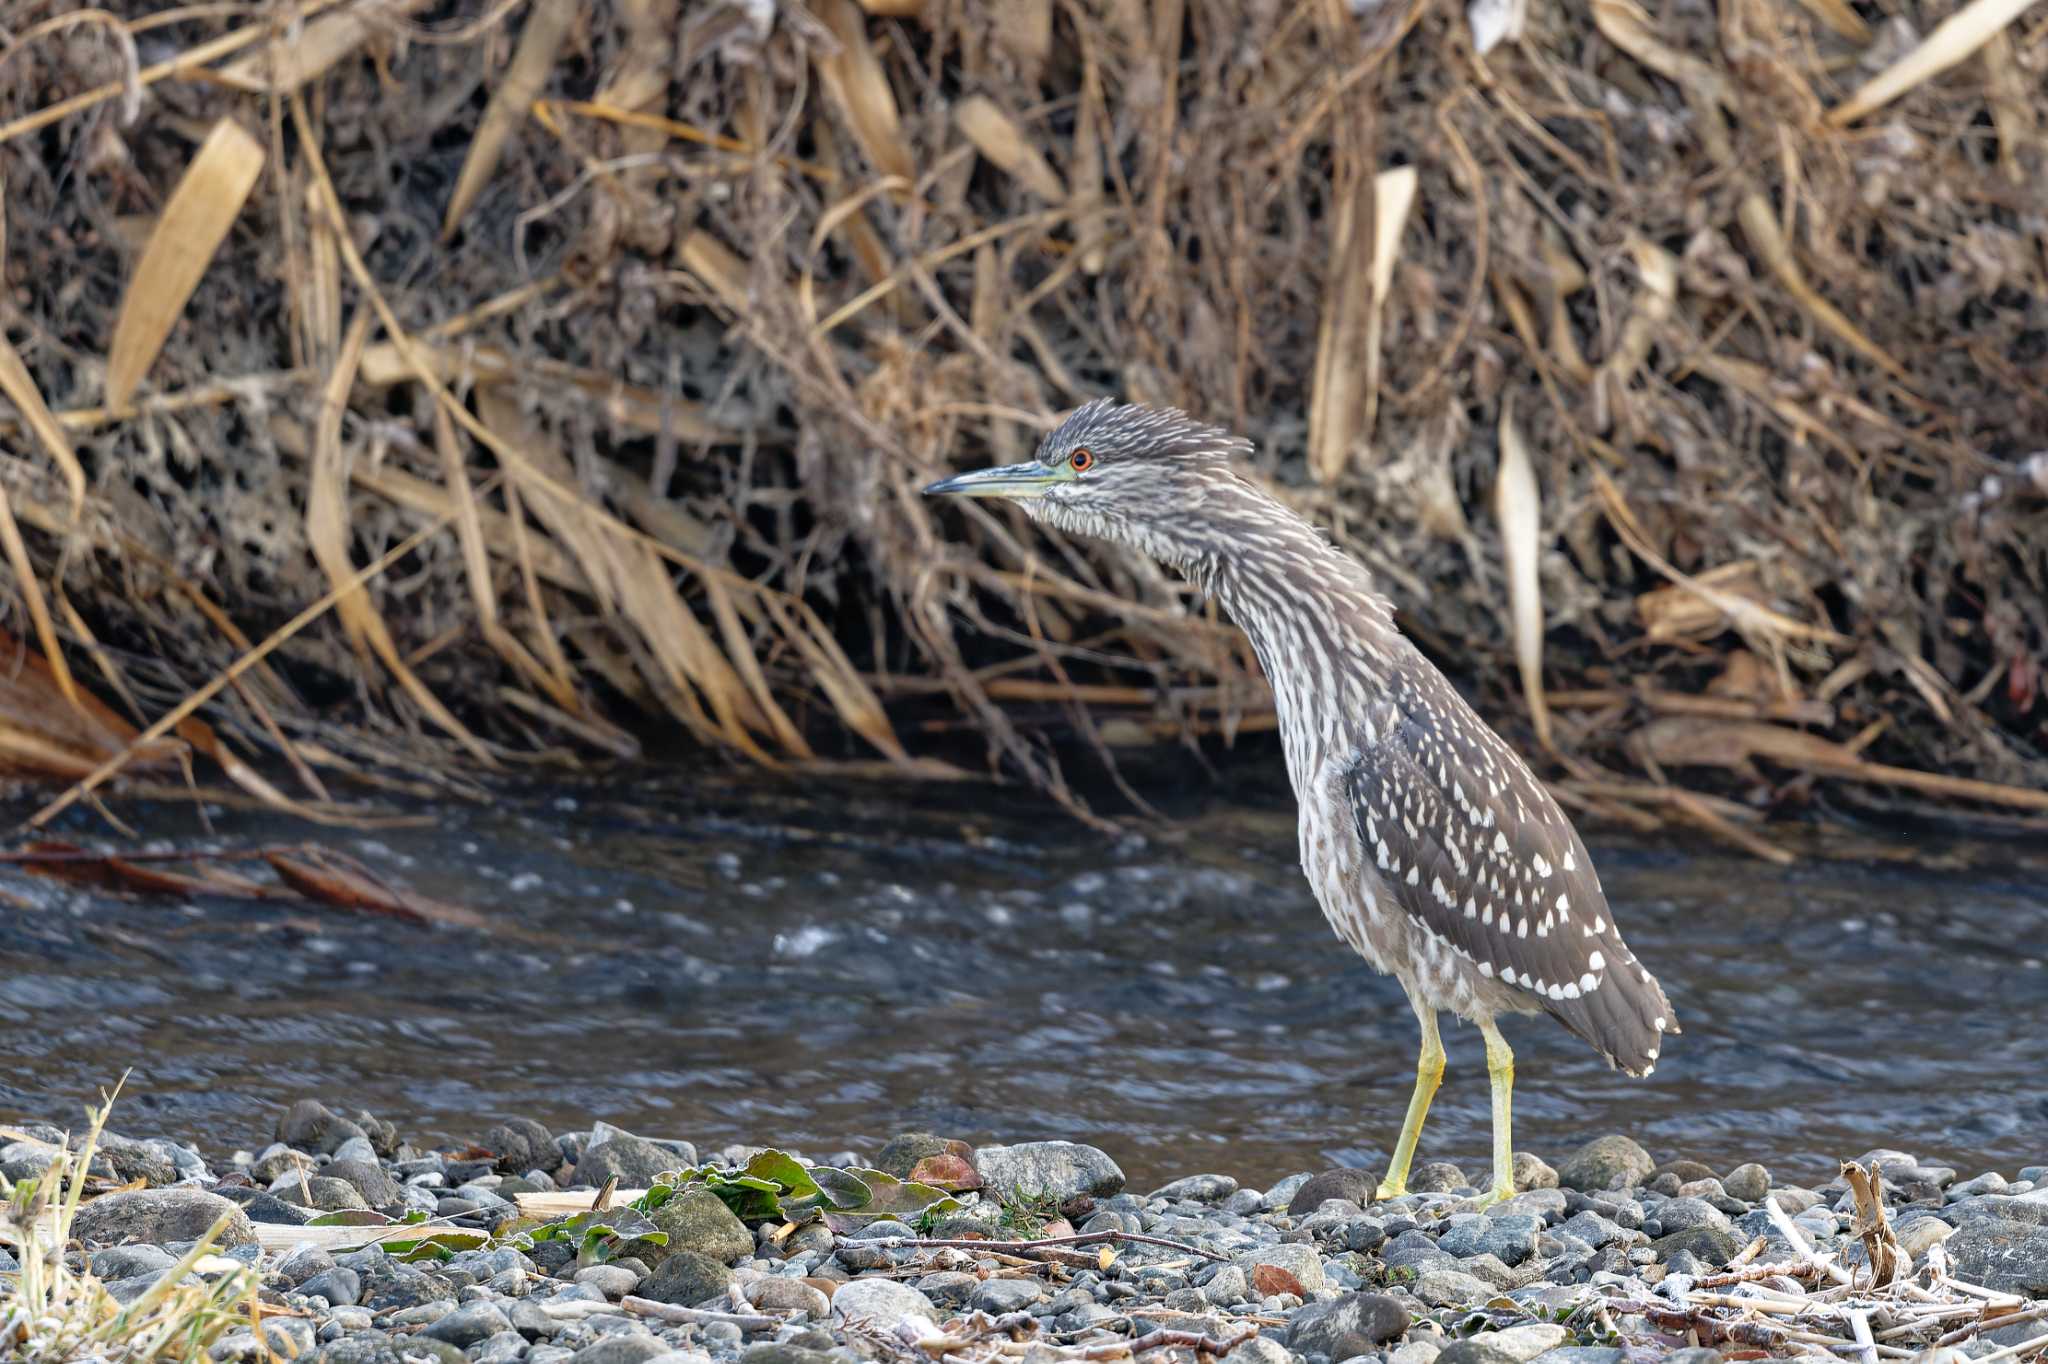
[1608, 1255]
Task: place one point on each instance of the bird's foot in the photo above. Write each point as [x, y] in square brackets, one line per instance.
[1499, 1193]
[1389, 1188]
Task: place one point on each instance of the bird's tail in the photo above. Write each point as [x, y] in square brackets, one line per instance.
[1626, 1018]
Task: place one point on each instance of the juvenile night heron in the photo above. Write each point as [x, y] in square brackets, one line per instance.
[1434, 852]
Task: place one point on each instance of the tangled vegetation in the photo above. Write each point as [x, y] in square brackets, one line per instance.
[512, 380]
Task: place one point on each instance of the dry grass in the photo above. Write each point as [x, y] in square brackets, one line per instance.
[637, 326]
[55, 1313]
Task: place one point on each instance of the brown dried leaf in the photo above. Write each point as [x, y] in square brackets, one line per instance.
[1518, 504]
[317, 877]
[44, 733]
[208, 199]
[1267, 1280]
[291, 61]
[547, 27]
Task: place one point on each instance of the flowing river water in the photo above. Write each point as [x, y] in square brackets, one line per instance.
[730, 959]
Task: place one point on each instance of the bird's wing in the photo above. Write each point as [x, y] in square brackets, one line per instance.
[1480, 857]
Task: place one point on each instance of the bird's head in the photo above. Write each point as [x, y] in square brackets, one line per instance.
[1142, 476]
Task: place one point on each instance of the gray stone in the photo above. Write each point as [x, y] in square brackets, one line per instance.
[530, 1321]
[1480, 1349]
[1354, 1324]
[322, 1193]
[1610, 1162]
[468, 1324]
[1489, 1268]
[522, 1144]
[1437, 1176]
[341, 1287]
[389, 1283]
[1352, 1185]
[625, 1347]
[1261, 1350]
[2004, 1256]
[259, 1205]
[125, 1262]
[699, 1220]
[305, 1124]
[131, 1160]
[154, 1216]
[685, 1278]
[378, 1189]
[506, 1347]
[614, 1281]
[1711, 1245]
[1545, 1205]
[901, 1153]
[1296, 1258]
[1197, 1189]
[948, 1288]
[1451, 1288]
[1420, 1351]
[1684, 1214]
[1922, 1234]
[1748, 1182]
[635, 1161]
[1533, 1172]
[780, 1293]
[1530, 1339]
[1226, 1285]
[302, 1263]
[1510, 1239]
[1590, 1227]
[1990, 1182]
[1060, 1170]
[357, 1150]
[1582, 1354]
[1006, 1295]
[882, 1301]
[778, 1352]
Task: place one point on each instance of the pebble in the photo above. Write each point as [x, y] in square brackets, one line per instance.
[1610, 1162]
[1058, 1170]
[884, 1301]
[1337, 1276]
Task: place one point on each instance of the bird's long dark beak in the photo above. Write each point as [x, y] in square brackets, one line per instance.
[1028, 479]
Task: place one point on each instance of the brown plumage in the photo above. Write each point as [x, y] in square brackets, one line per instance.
[1432, 848]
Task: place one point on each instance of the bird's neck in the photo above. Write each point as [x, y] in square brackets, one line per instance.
[1314, 620]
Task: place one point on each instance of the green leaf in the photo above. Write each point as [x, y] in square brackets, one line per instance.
[895, 1198]
[437, 1245]
[842, 1190]
[351, 1217]
[784, 1170]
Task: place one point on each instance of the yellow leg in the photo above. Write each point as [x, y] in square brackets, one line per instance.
[1429, 1073]
[1500, 1069]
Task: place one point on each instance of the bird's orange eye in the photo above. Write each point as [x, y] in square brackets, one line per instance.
[1083, 460]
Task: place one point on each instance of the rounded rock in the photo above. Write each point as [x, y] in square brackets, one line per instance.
[1352, 1185]
[882, 1301]
[1610, 1162]
[779, 1293]
[1749, 1182]
[614, 1281]
[699, 1220]
[685, 1278]
[154, 1216]
[1354, 1324]
[1061, 1170]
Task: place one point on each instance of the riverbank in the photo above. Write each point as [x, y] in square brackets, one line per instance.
[1039, 1251]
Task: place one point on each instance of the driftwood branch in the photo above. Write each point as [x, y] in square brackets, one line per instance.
[696, 1316]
